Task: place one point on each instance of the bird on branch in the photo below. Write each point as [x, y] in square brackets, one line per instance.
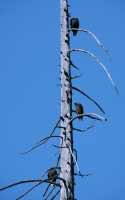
[79, 110]
[74, 24]
[52, 176]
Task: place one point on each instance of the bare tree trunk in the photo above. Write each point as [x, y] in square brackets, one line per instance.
[66, 161]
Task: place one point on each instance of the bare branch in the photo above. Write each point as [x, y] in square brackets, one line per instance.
[100, 44]
[55, 195]
[21, 182]
[100, 63]
[84, 130]
[54, 128]
[83, 175]
[26, 182]
[52, 175]
[74, 158]
[47, 138]
[90, 98]
[77, 76]
[95, 116]
[71, 63]
[49, 192]
[90, 115]
[57, 164]
[28, 191]
[74, 150]
[41, 142]
[61, 127]
[60, 147]
[44, 140]
[46, 190]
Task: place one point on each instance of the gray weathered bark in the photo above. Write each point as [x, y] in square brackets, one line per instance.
[66, 161]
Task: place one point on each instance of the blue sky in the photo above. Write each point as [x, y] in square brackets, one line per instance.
[30, 94]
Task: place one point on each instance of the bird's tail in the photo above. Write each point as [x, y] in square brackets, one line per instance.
[74, 32]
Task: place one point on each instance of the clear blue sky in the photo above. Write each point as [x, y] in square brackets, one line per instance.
[30, 94]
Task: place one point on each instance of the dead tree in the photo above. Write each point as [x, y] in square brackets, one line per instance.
[60, 178]
[66, 159]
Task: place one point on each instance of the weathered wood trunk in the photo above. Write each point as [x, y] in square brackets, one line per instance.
[66, 161]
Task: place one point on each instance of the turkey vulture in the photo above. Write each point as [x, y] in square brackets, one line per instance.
[74, 23]
[79, 109]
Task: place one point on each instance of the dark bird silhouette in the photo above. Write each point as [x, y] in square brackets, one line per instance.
[52, 176]
[74, 23]
[79, 110]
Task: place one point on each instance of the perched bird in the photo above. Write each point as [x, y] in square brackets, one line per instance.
[74, 23]
[52, 174]
[79, 109]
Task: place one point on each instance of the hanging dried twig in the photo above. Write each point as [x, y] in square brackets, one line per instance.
[100, 44]
[100, 63]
